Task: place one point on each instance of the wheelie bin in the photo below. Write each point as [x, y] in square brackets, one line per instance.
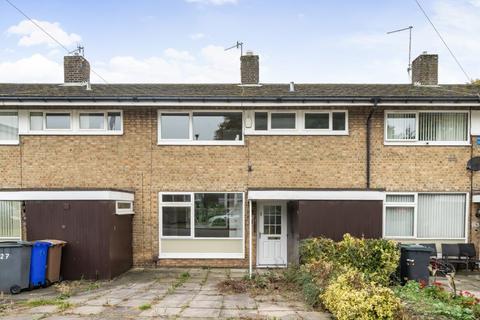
[54, 260]
[414, 260]
[38, 265]
[14, 265]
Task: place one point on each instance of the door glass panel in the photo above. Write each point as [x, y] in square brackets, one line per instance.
[272, 220]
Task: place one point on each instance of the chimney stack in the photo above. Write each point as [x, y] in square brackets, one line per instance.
[249, 68]
[425, 70]
[76, 69]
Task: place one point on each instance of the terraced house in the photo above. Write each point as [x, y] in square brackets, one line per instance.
[234, 174]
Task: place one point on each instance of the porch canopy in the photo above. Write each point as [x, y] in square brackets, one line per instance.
[315, 194]
[327, 213]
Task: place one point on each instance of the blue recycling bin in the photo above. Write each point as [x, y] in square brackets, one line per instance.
[38, 265]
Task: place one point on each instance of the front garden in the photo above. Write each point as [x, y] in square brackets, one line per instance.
[356, 279]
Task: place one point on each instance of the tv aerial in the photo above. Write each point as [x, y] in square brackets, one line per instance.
[409, 28]
[238, 45]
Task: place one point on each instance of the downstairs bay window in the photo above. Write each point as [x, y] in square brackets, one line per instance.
[427, 127]
[201, 225]
[425, 216]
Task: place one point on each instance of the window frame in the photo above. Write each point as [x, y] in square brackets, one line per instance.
[401, 205]
[121, 211]
[191, 204]
[300, 123]
[21, 224]
[16, 141]
[190, 140]
[74, 123]
[415, 237]
[416, 142]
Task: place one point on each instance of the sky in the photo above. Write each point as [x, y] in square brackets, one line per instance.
[183, 41]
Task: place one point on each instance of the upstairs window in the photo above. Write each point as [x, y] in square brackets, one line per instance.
[8, 127]
[75, 122]
[299, 123]
[426, 127]
[215, 127]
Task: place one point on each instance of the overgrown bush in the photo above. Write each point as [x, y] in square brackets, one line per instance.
[352, 296]
[376, 258]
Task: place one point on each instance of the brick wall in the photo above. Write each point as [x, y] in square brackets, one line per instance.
[135, 161]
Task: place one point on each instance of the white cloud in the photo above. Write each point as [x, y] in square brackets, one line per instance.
[213, 2]
[36, 68]
[197, 36]
[31, 35]
[210, 65]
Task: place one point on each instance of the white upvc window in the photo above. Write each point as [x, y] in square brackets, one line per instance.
[216, 127]
[426, 216]
[9, 127]
[124, 207]
[297, 122]
[201, 215]
[427, 127]
[10, 220]
[72, 122]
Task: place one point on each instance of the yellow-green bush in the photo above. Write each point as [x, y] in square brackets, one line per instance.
[351, 296]
[376, 258]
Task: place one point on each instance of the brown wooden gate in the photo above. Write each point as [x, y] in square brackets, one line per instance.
[99, 242]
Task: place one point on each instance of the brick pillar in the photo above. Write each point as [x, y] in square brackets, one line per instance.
[76, 69]
[425, 69]
[249, 68]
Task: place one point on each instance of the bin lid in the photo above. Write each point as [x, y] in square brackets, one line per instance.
[54, 242]
[14, 243]
[41, 243]
[415, 247]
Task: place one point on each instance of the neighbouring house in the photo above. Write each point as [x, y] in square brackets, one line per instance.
[234, 174]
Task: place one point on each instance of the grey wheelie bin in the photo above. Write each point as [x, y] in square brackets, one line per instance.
[14, 265]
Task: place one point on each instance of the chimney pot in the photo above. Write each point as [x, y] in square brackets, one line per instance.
[76, 69]
[425, 69]
[249, 68]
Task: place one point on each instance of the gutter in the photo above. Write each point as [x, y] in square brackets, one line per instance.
[228, 99]
[368, 143]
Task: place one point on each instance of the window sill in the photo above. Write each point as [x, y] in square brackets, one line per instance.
[9, 143]
[72, 133]
[296, 133]
[193, 238]
[427, 144]
[189, 255]
[199, 143]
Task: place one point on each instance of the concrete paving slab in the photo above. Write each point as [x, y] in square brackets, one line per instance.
[284, 315]
[161, 312]
[43, 309]
[271, 306]
[106, 301]
[312, 315]
[134, 303]
[237, 313]
[208, 297]
[24, 317]
[200, 313]
[206, 304]
[87, 310]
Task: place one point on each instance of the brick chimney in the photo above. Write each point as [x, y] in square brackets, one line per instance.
[249, 68]
[76, 69]
[425, 70]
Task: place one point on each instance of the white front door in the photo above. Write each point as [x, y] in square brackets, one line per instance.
[272, 234]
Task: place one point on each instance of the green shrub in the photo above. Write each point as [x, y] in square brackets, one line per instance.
[376, 258]
[435, 301]
[317, 249]
[352, 296]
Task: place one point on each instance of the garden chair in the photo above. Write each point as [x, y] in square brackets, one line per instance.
[451, 254]
[467, 251]
[437, 266]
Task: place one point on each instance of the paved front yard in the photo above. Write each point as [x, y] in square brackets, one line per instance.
[155, 293]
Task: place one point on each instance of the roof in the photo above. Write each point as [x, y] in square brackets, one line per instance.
[11, 91]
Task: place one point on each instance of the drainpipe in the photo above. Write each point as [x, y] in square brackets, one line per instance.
[369, 121]
[250, 260]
